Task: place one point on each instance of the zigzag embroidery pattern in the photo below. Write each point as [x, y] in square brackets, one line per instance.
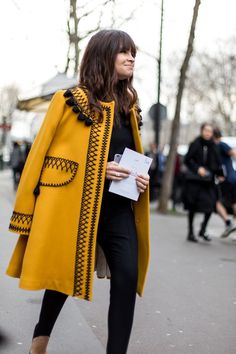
[19, 229]
[60, 163]
[97, 196]
[86, 206]
[21, 218]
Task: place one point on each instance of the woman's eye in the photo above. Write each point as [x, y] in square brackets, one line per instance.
[127, 51]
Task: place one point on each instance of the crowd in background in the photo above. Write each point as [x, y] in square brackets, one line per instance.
[204, 181]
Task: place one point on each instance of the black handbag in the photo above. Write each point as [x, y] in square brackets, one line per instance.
[194, 176]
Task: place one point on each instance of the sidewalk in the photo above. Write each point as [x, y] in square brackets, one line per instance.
[189, 304]
[19, 309]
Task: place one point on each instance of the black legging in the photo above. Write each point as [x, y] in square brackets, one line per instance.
[204, 222]
[117, 236]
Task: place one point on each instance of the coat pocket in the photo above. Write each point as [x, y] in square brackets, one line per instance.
[57, 171]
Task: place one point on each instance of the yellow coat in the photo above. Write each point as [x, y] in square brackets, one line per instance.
[59, 197]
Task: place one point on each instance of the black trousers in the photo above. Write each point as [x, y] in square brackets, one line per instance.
[117, 237]
[204, 224]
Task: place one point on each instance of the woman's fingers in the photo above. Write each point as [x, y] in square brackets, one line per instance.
[115, 175]
[142, 182]
[116, 172]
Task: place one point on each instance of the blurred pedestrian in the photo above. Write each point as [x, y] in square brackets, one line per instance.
[199, 195]
[161, 164]
[64, 210]
[27, 147]
[176, 195]
[226, 203]
[153, 172]
[17, 162]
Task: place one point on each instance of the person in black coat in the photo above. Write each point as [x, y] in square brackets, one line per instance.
[153, 172]
[199, 195]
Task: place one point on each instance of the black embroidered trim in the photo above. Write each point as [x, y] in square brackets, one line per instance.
[94, 216]
[68, 93]
[20, 217]
[62, 164]
[25, 230]
[79, 105]
[83, 238]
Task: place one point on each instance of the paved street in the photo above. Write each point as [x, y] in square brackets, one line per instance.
[189, 305]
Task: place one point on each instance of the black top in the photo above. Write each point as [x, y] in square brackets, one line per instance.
[121, 138]
[203, 153]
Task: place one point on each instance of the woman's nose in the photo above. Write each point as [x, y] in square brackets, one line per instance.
[131, 58]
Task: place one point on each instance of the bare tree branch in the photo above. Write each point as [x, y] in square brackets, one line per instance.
[77, 14]
[16, 4]
[213, 84]
[148, 54]
[129, 17]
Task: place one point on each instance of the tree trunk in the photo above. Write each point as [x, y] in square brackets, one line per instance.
[72, 30]
[76, 37]
[170, 163]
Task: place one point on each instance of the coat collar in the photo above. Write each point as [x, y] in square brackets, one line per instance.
[77, 99]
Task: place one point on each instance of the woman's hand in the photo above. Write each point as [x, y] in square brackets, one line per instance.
[142, 182]
[115, 172]
[221, 179]
[201, 171]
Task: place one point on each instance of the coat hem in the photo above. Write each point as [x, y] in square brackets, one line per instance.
[34, 286]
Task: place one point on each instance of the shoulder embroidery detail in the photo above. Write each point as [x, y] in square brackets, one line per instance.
[79, 105]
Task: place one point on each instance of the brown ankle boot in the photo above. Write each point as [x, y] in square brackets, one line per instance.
[39, 345]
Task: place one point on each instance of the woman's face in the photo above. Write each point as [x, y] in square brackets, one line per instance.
[207, 132]
[124, 65]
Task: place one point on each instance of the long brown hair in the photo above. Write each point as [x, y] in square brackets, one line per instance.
[97, 71]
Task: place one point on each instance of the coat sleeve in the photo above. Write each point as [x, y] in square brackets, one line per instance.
[22, 215]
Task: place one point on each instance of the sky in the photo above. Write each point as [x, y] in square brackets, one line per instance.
[34, 42]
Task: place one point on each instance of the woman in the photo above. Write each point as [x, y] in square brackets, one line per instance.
[199, 193]
[63, 208]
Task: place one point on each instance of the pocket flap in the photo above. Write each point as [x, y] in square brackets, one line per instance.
[57, 171]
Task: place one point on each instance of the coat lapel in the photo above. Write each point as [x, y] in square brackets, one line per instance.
[136, 131]
[97, 154]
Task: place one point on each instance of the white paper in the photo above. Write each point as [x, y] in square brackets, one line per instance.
[136, 163]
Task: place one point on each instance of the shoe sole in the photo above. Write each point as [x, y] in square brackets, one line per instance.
[226, 234]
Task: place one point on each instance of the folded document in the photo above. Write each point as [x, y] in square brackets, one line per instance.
[138, 164]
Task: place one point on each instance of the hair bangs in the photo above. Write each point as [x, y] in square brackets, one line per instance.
[97, 72]
[126, 43]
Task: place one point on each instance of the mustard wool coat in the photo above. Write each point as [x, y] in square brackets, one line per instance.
[59, 198]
